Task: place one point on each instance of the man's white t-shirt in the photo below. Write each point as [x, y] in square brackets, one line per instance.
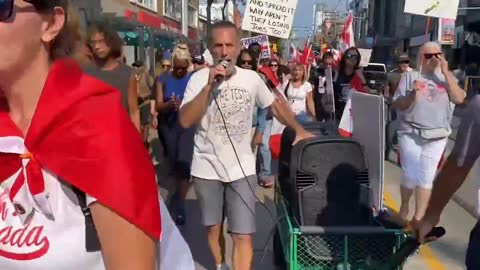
[213, 156]
[297, 97]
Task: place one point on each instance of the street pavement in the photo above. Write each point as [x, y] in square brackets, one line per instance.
[446, 253]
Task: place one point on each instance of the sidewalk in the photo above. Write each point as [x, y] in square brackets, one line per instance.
[448, 253]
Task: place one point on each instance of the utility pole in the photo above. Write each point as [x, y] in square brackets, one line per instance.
[185, 18]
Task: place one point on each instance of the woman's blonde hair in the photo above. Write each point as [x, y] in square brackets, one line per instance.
[181, 52]
[305, 76]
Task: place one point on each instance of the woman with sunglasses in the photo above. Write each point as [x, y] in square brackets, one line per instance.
[77, 187]
[425, 101]
[348, 77]
[260, 128]
[178, 141]
[246, 60]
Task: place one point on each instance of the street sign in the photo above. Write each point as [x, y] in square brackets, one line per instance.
[433, 8]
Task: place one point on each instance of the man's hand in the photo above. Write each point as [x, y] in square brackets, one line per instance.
[155, 120]
[443, 64]
[302, 135]
[176, 103]
[170, 103]
[217, 72]
[423, 227]
[257, 139]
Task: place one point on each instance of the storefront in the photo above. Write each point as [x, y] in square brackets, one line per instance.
[166, 32]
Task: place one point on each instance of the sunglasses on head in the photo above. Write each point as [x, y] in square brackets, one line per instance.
[7, 6]
[431, 55]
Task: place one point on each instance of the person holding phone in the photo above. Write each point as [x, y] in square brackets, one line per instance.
[425, 101]
[178, 140]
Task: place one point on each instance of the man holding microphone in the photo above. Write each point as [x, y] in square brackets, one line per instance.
[220, 100]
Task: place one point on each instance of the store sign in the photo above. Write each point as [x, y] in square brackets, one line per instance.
[446, 31]
[159, 23]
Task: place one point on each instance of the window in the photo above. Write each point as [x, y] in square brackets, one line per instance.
[149, 4]
[192, 16]
[173, 9]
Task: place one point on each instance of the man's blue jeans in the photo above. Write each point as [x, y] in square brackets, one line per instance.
[265, 154]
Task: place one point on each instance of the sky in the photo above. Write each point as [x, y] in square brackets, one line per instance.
[303, 19]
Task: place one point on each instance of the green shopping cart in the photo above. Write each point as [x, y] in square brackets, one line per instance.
[339, 248]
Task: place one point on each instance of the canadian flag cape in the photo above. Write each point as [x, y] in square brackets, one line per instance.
[81, 133]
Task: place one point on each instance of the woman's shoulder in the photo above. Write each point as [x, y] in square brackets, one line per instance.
[307, 85]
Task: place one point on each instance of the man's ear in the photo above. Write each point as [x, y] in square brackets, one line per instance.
[54, 24]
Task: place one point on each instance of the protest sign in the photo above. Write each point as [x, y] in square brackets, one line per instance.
[446, 31]
[269, 17]
[262, 40]
[433, 8]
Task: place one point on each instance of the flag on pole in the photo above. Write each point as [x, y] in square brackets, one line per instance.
[347, 36]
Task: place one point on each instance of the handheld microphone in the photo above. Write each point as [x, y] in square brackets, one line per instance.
[225, 64]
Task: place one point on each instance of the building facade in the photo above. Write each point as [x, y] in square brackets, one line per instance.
[147, 26]
[383, 26]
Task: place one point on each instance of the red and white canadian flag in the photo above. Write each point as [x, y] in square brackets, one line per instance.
[347, 37]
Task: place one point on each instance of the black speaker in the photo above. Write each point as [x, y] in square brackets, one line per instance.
[324, 179]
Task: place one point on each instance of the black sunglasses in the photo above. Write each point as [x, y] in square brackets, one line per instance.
[431, 55]
[246, 62]
[404, 62]
[6, 7]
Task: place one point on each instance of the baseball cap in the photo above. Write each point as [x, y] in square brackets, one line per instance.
[403, 58]
[198, 59]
